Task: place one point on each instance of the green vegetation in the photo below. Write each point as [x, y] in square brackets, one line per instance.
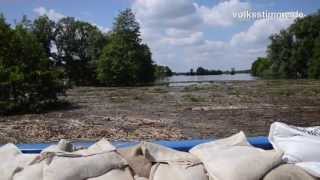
[162, 71]
[39, 59]
[314, 70]
[159, 89]
[79, 45]
[233, 71]
[293, 53]
[261, 67]
[200, 87]
[28, 80]
[193, 98]
[125, 60]
[203, 71]
[73, 46]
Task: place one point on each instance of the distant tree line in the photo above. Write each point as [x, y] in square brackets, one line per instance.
[202, 71]
[40, 59]
[294, 52]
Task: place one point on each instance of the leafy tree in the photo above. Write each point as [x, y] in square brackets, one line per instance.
[280, 54]
[44, 30]
[233, 71]
[201, 71]
[79, 44]
[314, 70]
[27, 79]
[125, 60]
[261, 67]
[25, 23]
[162, 71]
[293, 53]
[191, 72]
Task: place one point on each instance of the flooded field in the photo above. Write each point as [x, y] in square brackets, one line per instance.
[185, 80]
[170, 112]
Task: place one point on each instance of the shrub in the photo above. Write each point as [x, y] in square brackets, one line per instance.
[27, 79]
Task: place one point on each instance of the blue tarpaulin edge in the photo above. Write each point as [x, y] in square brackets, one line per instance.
[182, 145]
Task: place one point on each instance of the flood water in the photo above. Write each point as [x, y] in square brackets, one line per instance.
[183, 80]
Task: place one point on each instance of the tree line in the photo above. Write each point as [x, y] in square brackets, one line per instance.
[293, 53]
[200, 71]
[40, 59]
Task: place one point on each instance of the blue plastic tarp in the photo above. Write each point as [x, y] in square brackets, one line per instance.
[183, 145]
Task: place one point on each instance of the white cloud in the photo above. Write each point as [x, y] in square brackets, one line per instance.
[102, 29]
[243, 48]
[259, 31]
[166, 24]
[167, 13]
[51, 13]
[193, 38]
[56, 16]
[222, 13]
[177, 33]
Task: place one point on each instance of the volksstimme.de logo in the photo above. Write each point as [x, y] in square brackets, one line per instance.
[251, 15]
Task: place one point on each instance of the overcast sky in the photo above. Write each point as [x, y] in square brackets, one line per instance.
[182, 34]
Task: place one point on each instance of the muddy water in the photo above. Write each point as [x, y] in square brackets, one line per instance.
[183, 80]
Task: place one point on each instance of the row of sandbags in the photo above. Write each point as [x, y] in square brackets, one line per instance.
[101, 161]
[232, 158]
[300, 145]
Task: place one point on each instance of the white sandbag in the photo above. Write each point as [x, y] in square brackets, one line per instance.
[137, 161]
[62, 146]
[140, 178]
[172, 164]
[177, 164]
[79, 168]
[102, 145]
[115, 174]
[34, 172]
[168, 163]
[8, 151]
[8, 164]
[234, 158]
[158, 153]
[12, 161]
[239, 139]
[95, 161]
[312, 168]
[300, 145]
[290, 139]
[288, 172]
[162, 171]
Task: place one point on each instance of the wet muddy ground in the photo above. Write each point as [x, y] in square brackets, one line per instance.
[170, 113]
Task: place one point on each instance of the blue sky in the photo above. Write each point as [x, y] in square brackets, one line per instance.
[182, 34]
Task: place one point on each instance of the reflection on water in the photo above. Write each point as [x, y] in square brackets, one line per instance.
[184, 80]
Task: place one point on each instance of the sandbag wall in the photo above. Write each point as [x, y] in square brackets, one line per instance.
[232, 158]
